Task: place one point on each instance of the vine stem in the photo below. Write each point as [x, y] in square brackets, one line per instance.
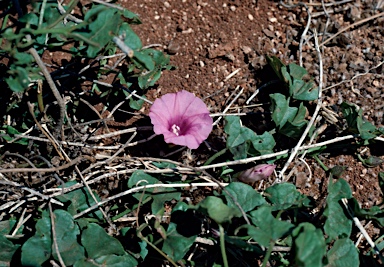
[222, 246]
[268, 254]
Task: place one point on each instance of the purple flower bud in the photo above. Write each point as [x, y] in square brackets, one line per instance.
[257, 173]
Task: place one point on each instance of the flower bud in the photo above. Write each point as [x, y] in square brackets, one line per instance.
[257, 173]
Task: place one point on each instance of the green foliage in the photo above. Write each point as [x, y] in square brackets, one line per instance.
[309, 245]
[278, 216]
[177, 245]
[80, 200]
[290, 120]
[159, 195]
[356, 122]
[284, 196]
[293, 76]
[11, 131]
[244, 194]
[241, 140]
[37, 249]
[298, 88]
[268, 228]
[98, 249]
[338, 224]
[343, 253]
[7, 250]
[98, 33]
[216, 209]
[67, 232]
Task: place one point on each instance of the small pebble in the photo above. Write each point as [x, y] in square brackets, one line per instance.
[167, 5]
[250, 17]
[173, 47]
[232, 8]
[273, 19]
[201, 63]
[157, 17]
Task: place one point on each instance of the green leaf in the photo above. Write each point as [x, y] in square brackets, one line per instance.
[285, 195]
[133, 17]
[7, 226]
[19, 80]
[177, 245]
[296, 72]
[80, 200]
[7, 249]
[136, 104]
[144, 57]
[66, 235]
[281, 111]
[309, 246]
[23, 58]
[37, 249]
[304, 90]
[245, 195]
[149, 79]
[215, 208]
[240, 138]
[268, 228]
[243, 244]
[338, 224]
[159, 194]
[131, 39]
[238, 134]
[276, 65]
[103, 23]
[264, 143]
[373, 213]
[108, 261]
[298, 88]
[98, 243]
[356, 122]
[294, 126]
[366, 129]
[343, 253]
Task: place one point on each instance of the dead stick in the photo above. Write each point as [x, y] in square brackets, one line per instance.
[351, 26]
[55, 91]
[62, 167]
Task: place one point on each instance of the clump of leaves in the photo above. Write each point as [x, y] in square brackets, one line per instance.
[94, 34]
[280, 217]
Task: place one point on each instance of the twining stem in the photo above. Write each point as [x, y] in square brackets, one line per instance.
[140, 235]
[222, 246]
[40, 101]
[268, 254]
[325, 168]
[215, 156]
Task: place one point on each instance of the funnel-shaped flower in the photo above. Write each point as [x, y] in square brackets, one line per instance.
[182, 118]
[257, 173]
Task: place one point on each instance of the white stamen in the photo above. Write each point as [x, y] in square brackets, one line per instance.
[175, 129]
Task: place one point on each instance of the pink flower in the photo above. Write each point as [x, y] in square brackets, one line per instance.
[182, 118]
[257, 173]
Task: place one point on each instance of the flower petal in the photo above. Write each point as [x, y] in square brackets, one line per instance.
[187, 112]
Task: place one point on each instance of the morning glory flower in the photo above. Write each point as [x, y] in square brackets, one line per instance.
[257, 173]
[182, 118]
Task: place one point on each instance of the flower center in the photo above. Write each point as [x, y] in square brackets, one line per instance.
[175, 129]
